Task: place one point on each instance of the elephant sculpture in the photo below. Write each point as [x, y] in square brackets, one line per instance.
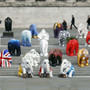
[29, 60]
[26, 38]
[33, 30]
[72, 47]
[26, 68]
[45, 70]
[55, 57]
[14, 47]
[57, 28]
[5, 59]
[82, 57]
[88, 39]
[62, 37]
[43, 37]
[8, 24]
[82, 31]
[67, 69]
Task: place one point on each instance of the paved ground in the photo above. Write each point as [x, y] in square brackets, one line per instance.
[10, 81]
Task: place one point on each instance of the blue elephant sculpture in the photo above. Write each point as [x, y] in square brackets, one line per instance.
[26, 38]
[33, 30]
[14, 47]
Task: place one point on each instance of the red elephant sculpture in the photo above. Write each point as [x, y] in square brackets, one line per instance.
[88, 38]
[72, 47]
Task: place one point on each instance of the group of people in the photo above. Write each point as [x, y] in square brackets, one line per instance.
[64, 23]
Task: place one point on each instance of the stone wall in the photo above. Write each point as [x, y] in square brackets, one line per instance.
[44, 17]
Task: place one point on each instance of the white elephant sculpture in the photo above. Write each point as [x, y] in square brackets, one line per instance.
[43, 37]
[67, 69]
[31, 59]
[45, 70]
[82, 31]
[62, 37]
[26, 38]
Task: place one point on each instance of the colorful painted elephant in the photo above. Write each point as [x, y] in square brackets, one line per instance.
[82, 58]
[33, 30]
[62, 37]
[67, 69]
[55, 57]
[88, 39]
[14, 45]
[72, 47]
[43, 36]
[45, 70]
[82, 31]
[57, 28]
[26, 38]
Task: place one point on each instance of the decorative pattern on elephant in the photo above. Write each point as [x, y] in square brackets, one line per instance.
[29, 60]
[45, 70]
[72, 47]
[26, 38]
[67, 69]
[88, 38]
[82, 58]
[62, 37]
[14, 47]
[55, 57]
[82, 31]
[5, 59]
[57, 28]
[33, 30]
[43, 36]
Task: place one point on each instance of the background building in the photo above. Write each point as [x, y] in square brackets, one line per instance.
[43, 12]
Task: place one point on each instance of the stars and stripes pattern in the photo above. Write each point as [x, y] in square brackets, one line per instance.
[5, 59]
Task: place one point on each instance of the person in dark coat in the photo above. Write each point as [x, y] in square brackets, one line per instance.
[73, 22]
[88, 22]
[64, 25]
[8, 24]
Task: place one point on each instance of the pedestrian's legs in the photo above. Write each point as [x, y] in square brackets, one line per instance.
[75, 26]
[71, 27]
[87, 26]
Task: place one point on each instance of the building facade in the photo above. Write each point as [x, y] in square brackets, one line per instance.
[44, 13]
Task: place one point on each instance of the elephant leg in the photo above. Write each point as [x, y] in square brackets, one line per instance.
[24, 72]
[18, 50]
[71, 73]
[76, 50]
[82, 62]
[29, 74]
[10, 49]
[41, 48]
[46, 50]
[13, 50]
[29, 41]
[71, 52]
[86, 62]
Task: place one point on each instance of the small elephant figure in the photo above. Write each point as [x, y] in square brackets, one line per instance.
[57, 28]
[62, 37]
[72, 47]
[88, 39]
[5, 59]
[45, 70]
[43, 37]
[26, 68]
[82, 31]
[26, 38]
[82, 58]
[67, 69]
[55, 57]
[8, 24]
[14, 45]
[33, 30]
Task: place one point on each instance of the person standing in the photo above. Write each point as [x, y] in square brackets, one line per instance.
[73, 22]
[88, 22]
[64, 25]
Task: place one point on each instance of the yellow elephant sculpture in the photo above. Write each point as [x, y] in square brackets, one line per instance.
[82, 57]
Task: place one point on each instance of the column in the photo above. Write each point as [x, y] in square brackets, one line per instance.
[71, 1]
[50, 0]
[30, 0]
[10, 0]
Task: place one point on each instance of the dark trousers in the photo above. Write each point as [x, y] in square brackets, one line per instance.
[73, 25]
[88, 26]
